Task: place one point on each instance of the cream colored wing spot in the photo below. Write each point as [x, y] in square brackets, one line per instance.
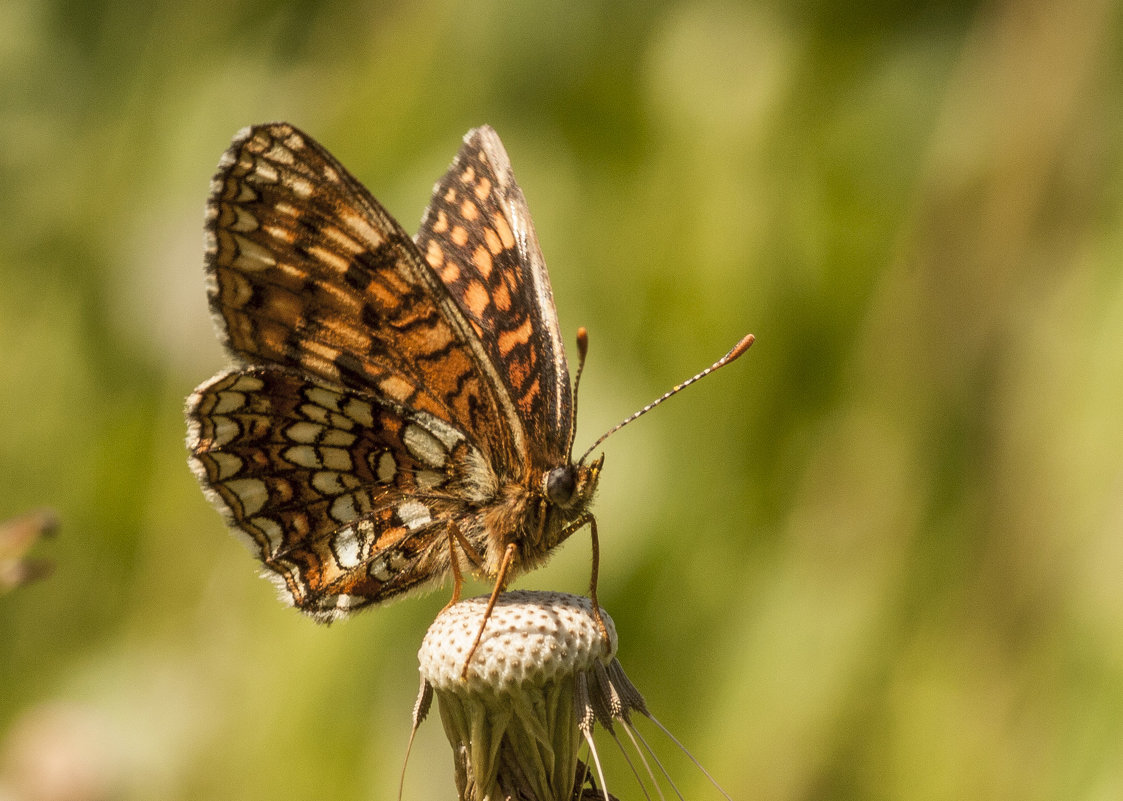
[271, 530]
[328, 482]
[343, 509]
[303, 456]
[340, 439]
[362, 228]
[346, 547]
[248, 383]
[323, 397]
[337, 262]
[450, 437]
[414, 514]
[392, 386]
[251, 494]
[226, 464]
[359, 411]
[229, 401]
[285, 235]
[384, 466]
[316, 413]
[224, 431]
[342, 239]
[423, 446]
[345, 602]
[247, 194]
[244, 221]
[263, 172]
[281, 154]
[337, 459]
[308, 433]
[301, 188]
[304, 432]
[251, 256]
[313, 458]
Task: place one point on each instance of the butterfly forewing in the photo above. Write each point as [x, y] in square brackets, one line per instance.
[478, 236]
[308, 270]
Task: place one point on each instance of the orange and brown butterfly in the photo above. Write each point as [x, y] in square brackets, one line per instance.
[400, 408]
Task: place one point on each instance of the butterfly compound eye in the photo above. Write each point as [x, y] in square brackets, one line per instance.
[560, 483]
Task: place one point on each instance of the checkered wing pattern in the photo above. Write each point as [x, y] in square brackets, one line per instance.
[478, 236]
[338, 492]
[388, 393]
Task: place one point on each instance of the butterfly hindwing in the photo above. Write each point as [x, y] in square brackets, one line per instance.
[344, 497]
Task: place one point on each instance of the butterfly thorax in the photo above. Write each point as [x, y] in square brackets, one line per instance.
[537, 515]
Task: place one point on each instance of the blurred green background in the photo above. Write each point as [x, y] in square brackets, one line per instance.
[880, 558]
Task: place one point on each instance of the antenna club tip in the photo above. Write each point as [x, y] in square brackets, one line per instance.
[740, 347]
[582, 341]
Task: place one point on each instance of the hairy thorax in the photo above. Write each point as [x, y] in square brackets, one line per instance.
[514, 515]
[535, 516]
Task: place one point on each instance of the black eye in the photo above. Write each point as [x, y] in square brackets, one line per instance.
[560, 484]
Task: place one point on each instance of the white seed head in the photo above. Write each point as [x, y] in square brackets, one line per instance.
[541, 677]
[531, 638]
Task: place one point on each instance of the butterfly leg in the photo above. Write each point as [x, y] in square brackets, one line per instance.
[500, 585]
[455, 537]
[457, 576]
[593, 578]
[591, 521]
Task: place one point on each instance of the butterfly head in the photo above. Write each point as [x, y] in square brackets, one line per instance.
[572, 486]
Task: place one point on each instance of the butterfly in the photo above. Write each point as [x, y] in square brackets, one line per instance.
[400, 408]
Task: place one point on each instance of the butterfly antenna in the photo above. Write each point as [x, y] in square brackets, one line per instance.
[582, 352]
[737, 351]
